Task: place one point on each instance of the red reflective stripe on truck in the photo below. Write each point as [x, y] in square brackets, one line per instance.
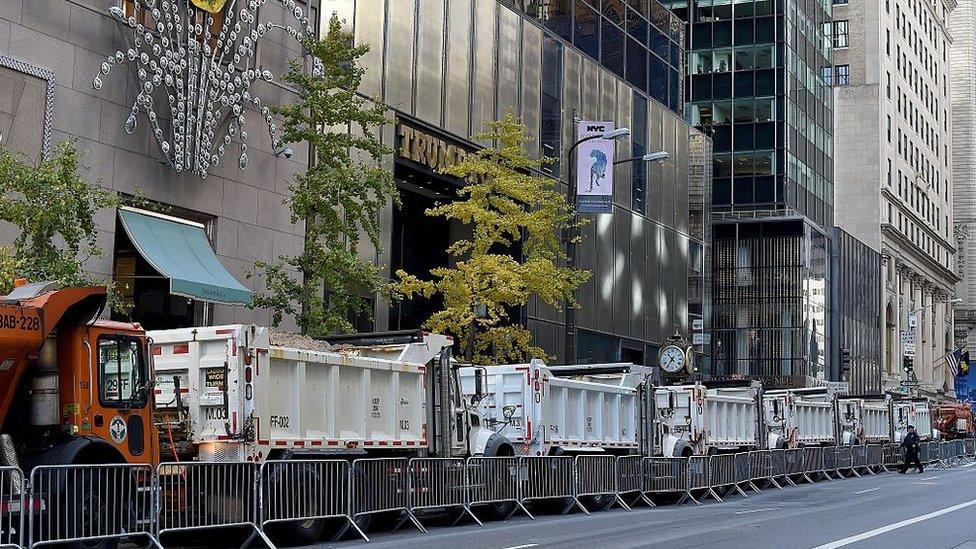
[281, 443]
[181, 349]
[332, 442]
[157, 350]
[316, 442]
[233, 422]
[224, 331]
[299, 443]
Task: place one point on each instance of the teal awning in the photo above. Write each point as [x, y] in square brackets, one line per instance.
[180, 251]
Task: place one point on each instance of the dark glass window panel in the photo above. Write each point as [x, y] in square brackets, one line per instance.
[766, 82]
[742, 190]
[587, 30]
[701, 86]
[722, 11]
[743, 136]
[744, 9]
[614, 10]
[658, 79]
[764, 163]
[660, 17]
[744, 32]
[766, 135]
[765, 189]
[764, 56]
[763, 7]
[637, 26]
[612, 52]
[636, 64]
[721, 166]
[722, 86]
[551, 108]
[641, 6]
[722, 191]
[660, 44]
[639, 148]
[765, 29]
[558, 17]
[675, 54]
[722, 34]
[722, 138]
[764, 109]
[744, 111]
[674, 99]
[701, 35]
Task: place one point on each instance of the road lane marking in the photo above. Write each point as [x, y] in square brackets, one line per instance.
[926, 483]
[869, 490]
[929, 478]
[747, 511]
[895, 526]
[526, 546]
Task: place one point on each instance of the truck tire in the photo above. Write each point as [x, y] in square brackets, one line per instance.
[92, 513]
[296, 533]
[500, 446]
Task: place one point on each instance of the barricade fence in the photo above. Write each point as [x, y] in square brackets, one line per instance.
[13, 495]
[84, 503]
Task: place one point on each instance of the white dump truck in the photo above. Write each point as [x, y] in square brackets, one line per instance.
[698, 419]
[242, 392]
[795, 418]
[916, 412]
[545, 414]
[864, 420]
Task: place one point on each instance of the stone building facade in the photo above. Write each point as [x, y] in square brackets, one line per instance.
[893, 134]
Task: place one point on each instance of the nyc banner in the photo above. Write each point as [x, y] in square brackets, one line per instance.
[594, 169]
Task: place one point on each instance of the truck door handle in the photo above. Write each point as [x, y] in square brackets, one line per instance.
[99, 420]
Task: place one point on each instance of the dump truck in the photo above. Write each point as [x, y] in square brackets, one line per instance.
[543, 413]
[706, 418]
[864, 419]
[74, 390]
[912, 411]
[795, 418]
[954, 421]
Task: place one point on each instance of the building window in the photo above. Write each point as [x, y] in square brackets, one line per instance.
[551, 112]
[826, 74]
[840, 34]
[842, 76]
[639, 148]
[840, 2]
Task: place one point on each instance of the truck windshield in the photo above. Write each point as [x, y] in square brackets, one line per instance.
[121, 371]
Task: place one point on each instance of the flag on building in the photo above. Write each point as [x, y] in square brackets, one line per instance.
[955, 362]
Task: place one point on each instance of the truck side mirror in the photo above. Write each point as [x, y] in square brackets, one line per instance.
[776, 407]
[479, 382]
[672, 400]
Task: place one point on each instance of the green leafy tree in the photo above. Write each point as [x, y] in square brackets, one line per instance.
[53, 207]
[503, 205]
[340, 196]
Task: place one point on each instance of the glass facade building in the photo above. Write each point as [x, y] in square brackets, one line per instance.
[754, 82]
[638, 40]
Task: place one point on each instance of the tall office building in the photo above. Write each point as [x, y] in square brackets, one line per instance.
[962, 94]
[753, 84]
[893, 134]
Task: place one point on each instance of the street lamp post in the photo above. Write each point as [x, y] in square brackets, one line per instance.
[910, 371]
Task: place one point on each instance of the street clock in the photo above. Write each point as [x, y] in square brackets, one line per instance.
[676, 359]
[672, 359]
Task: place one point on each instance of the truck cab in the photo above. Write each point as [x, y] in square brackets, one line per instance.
[73, 390]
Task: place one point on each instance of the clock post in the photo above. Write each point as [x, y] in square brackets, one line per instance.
[675, 360]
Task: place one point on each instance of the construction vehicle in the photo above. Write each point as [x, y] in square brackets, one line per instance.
[864, 419]
[73, 389]
[543, 413]
[912, 411]
[954, 421]
[702, 419]
[794, 418]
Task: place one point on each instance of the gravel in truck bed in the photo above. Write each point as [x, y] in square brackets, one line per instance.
[299, 341]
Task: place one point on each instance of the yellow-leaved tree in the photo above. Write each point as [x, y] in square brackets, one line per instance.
[505, 207]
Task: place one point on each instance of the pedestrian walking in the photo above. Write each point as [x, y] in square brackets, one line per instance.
[911, 445]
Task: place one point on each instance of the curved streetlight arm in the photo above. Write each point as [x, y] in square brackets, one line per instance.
[949, 301]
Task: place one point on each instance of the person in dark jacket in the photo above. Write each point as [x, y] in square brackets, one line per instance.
[911, 445]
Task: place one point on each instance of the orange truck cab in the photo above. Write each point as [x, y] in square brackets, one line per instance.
[73, 389]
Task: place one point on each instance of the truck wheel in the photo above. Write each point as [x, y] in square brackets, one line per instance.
[93, 513]
[298, 532]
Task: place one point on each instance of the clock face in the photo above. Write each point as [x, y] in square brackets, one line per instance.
[212, 6]
[672, 359]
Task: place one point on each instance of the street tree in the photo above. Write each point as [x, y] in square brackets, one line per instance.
[506, 208]
[339, 197]
[53, 208]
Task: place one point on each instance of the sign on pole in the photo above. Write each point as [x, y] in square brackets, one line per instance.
[908, 336]
[697, 324]
[909, 349]
[912, 320]
[594, 169]
[700, 338]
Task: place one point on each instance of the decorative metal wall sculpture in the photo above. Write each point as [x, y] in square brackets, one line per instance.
[201, 63]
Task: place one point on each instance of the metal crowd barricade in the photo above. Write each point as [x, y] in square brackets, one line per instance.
[778, 468]
[970, 444]
[495, 481]
[793, 458]
[699, 473]
[302, 490]
[875, 457]
[665, 475]
[813, 463]
[13, 495]
[743, 470]
[83, 503]
[548, 478]
[844, 461]
[830, 461]
[761, 468]
[597, 476]
[439, 483]
[382, 485]
[199, 496]
[859, 460]
[924, 453]
[934, 454]
[722, 474]
[893, 456]
[630, 480]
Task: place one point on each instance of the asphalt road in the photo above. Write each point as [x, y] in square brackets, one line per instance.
[934, 510]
